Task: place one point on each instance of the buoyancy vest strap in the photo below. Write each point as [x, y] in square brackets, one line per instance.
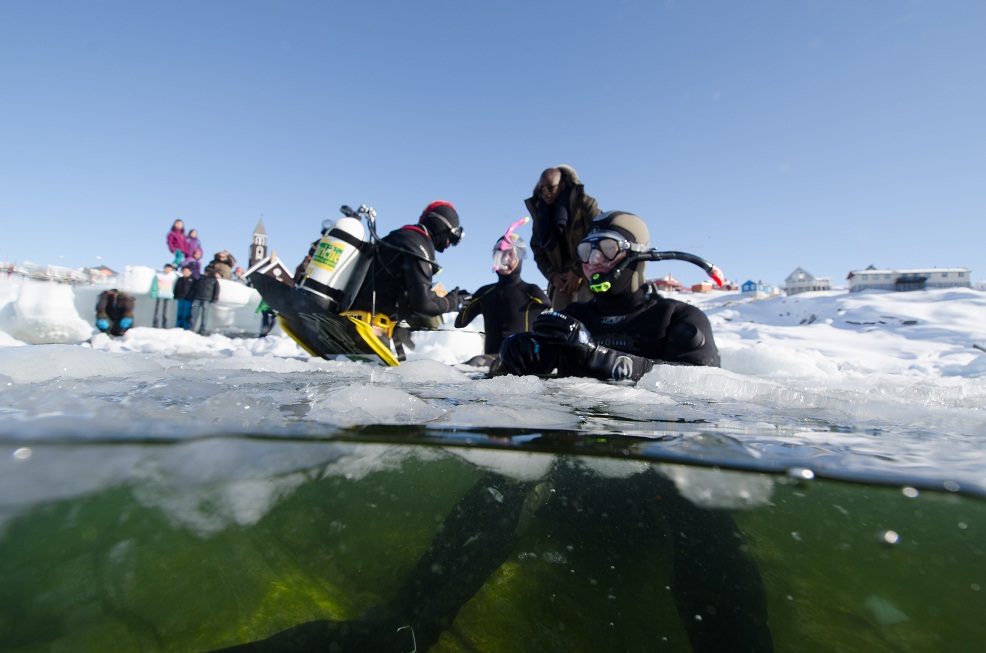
[349, 239]
[322, 289]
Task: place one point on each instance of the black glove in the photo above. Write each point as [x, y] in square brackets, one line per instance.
[520, 354]
[582, 354]
[562, 330]
[606, 363]
[456, 299]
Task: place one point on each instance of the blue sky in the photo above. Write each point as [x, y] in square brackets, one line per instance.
[762, 136]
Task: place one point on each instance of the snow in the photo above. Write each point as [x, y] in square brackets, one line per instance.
[873, 385]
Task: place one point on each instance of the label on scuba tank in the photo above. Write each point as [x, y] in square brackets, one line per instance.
[327, 255]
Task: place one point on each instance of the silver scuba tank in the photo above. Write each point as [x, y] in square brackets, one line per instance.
[338, 264]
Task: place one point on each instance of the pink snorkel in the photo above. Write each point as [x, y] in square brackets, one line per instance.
[507, 242]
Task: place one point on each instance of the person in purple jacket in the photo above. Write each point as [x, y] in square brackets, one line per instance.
[194, 263]
[177, 242]
[192, 241]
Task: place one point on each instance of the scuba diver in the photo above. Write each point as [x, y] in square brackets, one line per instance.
[508, 306]
[398, 285]
[350, 293]
[614, 519]
[626, 328]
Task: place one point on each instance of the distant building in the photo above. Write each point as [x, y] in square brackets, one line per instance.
[51, 273]
[668, 283]
[272, 266]
[704, 287]
[911, 279]
[258, 247]
[758, 289]
[100, 273]
[803, 281]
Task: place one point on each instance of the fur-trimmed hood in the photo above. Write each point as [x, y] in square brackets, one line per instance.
[568, 175]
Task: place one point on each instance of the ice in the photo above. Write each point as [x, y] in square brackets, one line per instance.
[875, 383]
[718, 488]
[33, 364]
[367, 404]
[42, 312]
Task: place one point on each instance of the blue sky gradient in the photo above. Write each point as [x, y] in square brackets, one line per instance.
[762, 136]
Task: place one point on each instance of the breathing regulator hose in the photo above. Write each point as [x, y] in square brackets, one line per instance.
[653, 255]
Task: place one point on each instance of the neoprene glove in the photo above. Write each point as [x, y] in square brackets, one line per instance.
[126, 323]
[562, 330]
[456, 299]
[102, 324]
[582, 352]
[519, 354]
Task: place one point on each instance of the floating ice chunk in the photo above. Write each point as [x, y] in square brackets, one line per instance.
[509, 386]
[719, 488]
[370, 458]
[372, 404]
[615, 467]
[208, 510]
[419, 371]
[885, 612]
[534, 415]
[518, 466]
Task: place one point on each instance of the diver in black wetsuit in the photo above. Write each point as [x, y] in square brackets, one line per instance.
[715, 582]
[624, 330]
[508, 306]
[399, 282]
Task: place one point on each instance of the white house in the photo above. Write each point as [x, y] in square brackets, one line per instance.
[911, 279]
[803, 281]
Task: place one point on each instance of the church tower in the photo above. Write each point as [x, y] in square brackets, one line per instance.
[258, 249]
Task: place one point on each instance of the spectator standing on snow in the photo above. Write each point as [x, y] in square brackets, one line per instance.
[205, 291]
[561, 211]
[194, 263]
[178, 242]
[163, 291]
[223, 263]
[193, 242]
[183, 293]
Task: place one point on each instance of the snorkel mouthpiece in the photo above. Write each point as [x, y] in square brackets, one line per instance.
[599, 286]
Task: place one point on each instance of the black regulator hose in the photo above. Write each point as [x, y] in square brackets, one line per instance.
[653, 255]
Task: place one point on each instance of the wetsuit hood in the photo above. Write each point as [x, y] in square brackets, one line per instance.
[625, 277]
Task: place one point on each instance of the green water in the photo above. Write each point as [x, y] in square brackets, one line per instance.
[116, 570]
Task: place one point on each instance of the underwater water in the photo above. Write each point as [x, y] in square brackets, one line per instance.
[509, 544]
